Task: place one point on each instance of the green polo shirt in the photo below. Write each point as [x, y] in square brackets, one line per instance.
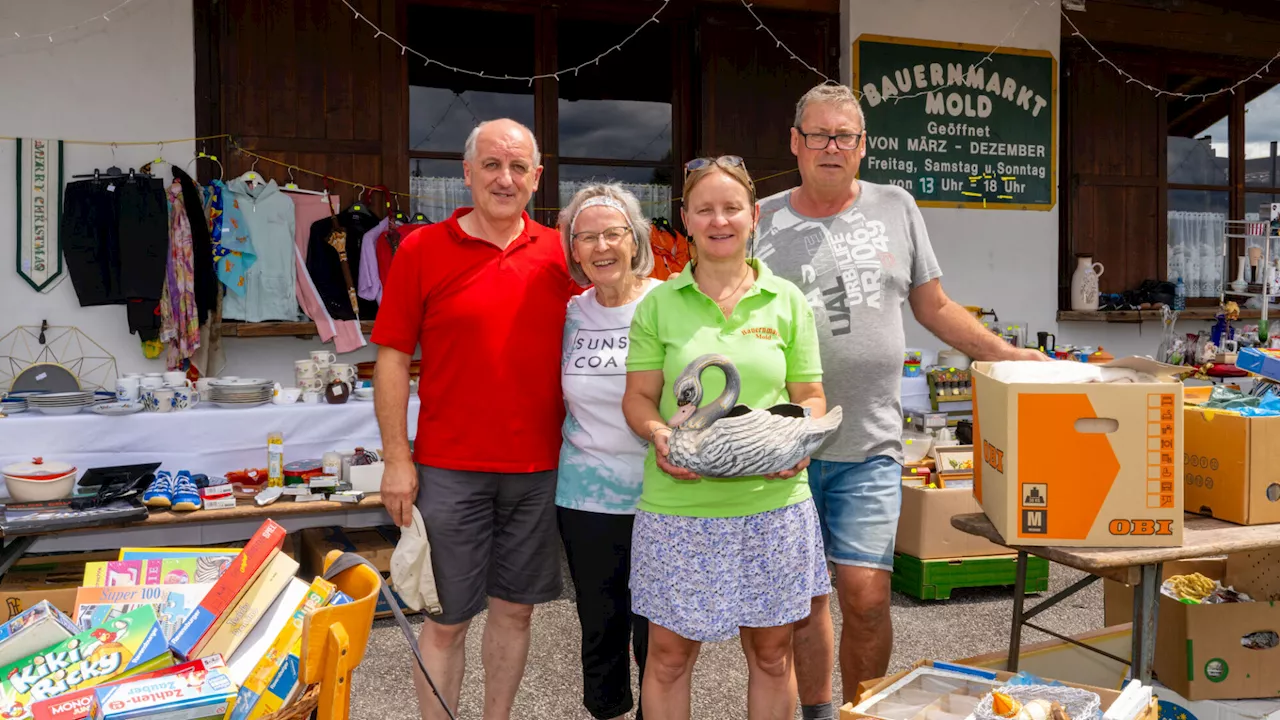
[771, 339]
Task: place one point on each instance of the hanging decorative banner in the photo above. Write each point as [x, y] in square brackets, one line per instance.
[39, 210]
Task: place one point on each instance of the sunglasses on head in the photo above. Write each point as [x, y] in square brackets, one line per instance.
[725, 161]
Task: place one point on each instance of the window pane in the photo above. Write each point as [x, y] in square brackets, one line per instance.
[437, 189]
[1196, 240]
[621, 107]
[1261, 133]
[1198, 130]
[443, 105]
[651, 187]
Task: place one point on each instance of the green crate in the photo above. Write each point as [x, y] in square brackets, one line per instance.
[935, 579]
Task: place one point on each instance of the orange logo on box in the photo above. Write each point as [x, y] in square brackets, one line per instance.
[1140, 526]
[993, 456]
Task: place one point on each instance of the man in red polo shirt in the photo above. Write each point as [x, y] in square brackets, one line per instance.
[484, 294]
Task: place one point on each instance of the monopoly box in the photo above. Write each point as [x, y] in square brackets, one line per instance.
[133, 642]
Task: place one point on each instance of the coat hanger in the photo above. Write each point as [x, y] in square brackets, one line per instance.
[292, 186]
[206, 156]
[386, 197]
[110, 173]
[252, 178]
[398, 215]
[359, 204]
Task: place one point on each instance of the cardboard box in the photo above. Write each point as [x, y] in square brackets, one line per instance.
[1199, 653]
[36, 628]
[1068, 663]
[1231, 463]
[250, 608]
[78, 705]
[871, 687]
[372, 544]
[130, 643]
[194, 694]
[21, 588]
[1081, 464]
[231, 586]
[1117, 598]
[924, 527]
[1198, 650]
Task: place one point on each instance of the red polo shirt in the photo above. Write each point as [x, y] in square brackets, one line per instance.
[490, 324]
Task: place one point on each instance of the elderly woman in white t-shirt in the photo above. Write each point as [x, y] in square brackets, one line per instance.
[606, 245]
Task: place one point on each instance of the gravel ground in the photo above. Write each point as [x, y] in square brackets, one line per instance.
[972, 622]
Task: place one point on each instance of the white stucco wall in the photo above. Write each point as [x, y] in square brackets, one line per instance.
[1006, 260]
[128, 79]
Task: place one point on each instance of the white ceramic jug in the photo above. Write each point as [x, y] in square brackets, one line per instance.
[1084, 283]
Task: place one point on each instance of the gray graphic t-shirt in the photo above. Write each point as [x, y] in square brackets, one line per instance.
[857, 269]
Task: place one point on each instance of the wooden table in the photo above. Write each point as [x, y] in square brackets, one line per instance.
[201, 527]
[1139, 567]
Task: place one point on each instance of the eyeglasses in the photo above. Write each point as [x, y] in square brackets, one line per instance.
[820, 141]
[725, 161]
[612, 236]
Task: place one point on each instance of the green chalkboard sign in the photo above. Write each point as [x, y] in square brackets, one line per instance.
[959, 125]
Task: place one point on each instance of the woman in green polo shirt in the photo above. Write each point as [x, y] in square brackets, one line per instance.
[715, 557]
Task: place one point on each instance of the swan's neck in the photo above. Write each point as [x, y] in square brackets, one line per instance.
[721, 405]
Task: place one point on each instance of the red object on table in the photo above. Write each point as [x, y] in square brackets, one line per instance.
[1225, 371]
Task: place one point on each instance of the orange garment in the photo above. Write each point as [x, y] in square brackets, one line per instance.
[670, 252]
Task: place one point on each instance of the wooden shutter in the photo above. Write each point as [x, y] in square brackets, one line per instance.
[306, 83]
[1113, 147]
[750, 86]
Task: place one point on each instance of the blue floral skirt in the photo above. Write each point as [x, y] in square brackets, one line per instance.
[703, 578]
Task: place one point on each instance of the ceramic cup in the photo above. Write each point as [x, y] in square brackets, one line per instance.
[287, 396]
[174, 377]
[343, 372]
[185, 398]
[304, 366]
[323, 358]
[127, 389]
[203, 386]
[152, 380]
[158, 399]
[311, 397]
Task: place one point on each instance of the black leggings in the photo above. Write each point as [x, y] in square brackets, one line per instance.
[115, 236]
[598, 546]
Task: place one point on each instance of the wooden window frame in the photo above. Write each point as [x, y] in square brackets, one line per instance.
[1236, 189]
[546, 110]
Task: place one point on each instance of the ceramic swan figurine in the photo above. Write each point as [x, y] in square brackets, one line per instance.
[727, 440]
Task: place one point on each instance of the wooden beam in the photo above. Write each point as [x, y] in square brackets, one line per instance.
[279, 329]
[1139, 316]
[1187, 25]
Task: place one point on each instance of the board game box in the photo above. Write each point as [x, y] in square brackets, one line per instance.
[192, 694]
[32, 630]
[130, 643]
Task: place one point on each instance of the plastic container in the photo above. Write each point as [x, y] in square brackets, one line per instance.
[915, 445]
[275, 459]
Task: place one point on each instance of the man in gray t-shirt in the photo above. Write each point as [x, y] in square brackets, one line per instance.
[860, 252]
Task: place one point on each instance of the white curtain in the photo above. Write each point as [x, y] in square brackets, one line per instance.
[655, 200]
[438, 197]
[1195, 251]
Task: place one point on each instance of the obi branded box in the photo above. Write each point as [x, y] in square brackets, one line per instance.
[189, 695]
[34, 629]
[1231, 463]
[1081, 464]
[133, 642]
[206, 618]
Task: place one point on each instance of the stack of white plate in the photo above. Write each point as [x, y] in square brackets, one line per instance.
[61, 403]
[241, 392]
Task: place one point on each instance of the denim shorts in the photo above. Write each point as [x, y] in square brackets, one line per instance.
[859, 504]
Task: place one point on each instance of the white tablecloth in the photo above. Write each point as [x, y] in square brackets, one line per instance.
[206, 439]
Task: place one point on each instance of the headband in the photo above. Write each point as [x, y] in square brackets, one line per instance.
[601, 201]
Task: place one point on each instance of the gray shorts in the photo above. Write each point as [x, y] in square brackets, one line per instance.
[491, 535]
